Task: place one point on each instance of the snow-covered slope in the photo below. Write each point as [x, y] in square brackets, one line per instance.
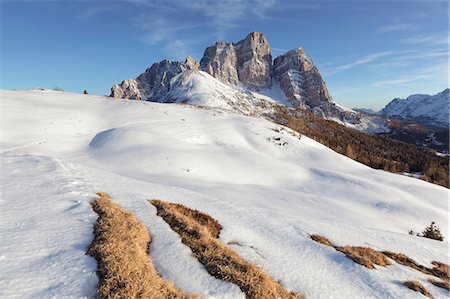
[430, 110]
[269, 189]
[201, 89]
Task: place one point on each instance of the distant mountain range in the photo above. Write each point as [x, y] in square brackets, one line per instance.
[431, 111]
[420, 119]
[364, 110]
[242, 77]
[239, 76]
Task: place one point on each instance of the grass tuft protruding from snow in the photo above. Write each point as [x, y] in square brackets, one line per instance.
[439, 269]
[199, 232]
[322, 240]
[418, 287]
[365, 256]
[121, 246]
[445, 284]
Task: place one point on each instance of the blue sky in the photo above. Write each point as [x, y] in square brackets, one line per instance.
[367, 51]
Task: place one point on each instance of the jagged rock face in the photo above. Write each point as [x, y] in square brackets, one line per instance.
[154, 82]
[254, 61]
[220, 62]
[300, 80]
[128, 89]
[247, 62]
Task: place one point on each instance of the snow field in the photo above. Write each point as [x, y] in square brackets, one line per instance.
[268, 197]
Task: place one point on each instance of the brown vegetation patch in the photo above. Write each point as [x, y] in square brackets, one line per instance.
[321, 239]
[439, 269]
[220, 261]
[418, 287]
[445, 284]
[203, 219]
[374, 151]
[405, 260]
[121, 246]
[365, 256]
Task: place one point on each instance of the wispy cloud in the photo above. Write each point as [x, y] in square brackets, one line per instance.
[359, 62]
[400, 81]
[434, 72]
[278, 51]
[169, 24]
[407, 58]
[179, 49]
[396, 27]
[218, 16]
[438, 39]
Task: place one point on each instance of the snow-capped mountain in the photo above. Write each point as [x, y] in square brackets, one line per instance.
[364, 110]
[198, 88]
[242, 77]
[234, 76]
[429, 110]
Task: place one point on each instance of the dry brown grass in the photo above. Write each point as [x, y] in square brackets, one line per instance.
[418, 287]
[439, 269]
[365, 256]
[203, 219]
[220, 261]
[445, 284]
[121, 246]
[321, 239]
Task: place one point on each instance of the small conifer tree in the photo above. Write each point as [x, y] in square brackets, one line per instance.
[433, 232]
[85, 92]
[349, 152]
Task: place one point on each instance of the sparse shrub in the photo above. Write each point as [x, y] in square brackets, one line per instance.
[433, 232]
[349, 152]
[321, 239]
[405, 260]
[365, 256]
[445, 284]
[418, 287]
[439, 269]
[85, 92]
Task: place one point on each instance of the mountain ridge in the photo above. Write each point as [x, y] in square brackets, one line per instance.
[247, 67]
[429, 110]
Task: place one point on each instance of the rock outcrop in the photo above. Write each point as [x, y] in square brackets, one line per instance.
[154, 82]
[247, 62]
[300, 80]
[128, 89]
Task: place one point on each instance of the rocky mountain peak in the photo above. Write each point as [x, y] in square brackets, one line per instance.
[191, 64]
[247, 62]
[154, 82]
[300, 80]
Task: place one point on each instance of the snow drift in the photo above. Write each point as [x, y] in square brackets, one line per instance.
[267, 186]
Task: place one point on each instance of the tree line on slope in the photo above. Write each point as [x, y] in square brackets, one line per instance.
[375, 151]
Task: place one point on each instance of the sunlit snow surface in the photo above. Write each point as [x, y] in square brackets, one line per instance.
[268, 189]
